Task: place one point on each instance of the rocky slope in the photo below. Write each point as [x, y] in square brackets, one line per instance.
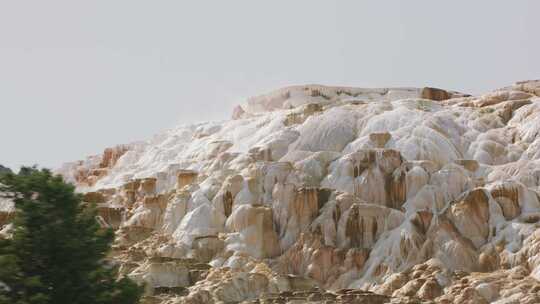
[333, 194]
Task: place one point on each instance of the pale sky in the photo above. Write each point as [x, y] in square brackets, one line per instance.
[79, 76]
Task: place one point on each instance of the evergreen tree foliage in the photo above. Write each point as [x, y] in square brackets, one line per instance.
[58, 250]
[4, 170]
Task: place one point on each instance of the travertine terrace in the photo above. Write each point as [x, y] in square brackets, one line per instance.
[332, 194]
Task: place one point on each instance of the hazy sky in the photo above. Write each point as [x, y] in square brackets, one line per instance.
[79, 76]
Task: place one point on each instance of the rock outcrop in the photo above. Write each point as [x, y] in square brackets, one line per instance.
[332, 195]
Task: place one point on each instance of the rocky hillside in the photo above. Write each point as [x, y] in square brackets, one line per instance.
[333, 194]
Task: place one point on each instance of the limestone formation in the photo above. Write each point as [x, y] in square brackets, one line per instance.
[331, 195]
[89, 171]
[185, 178]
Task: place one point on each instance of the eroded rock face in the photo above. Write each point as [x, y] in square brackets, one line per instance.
[185, 178]
[470, 216]
[89, 171]
[254, 226]
[335, 194]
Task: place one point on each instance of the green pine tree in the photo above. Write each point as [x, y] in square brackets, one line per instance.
[58, 250]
